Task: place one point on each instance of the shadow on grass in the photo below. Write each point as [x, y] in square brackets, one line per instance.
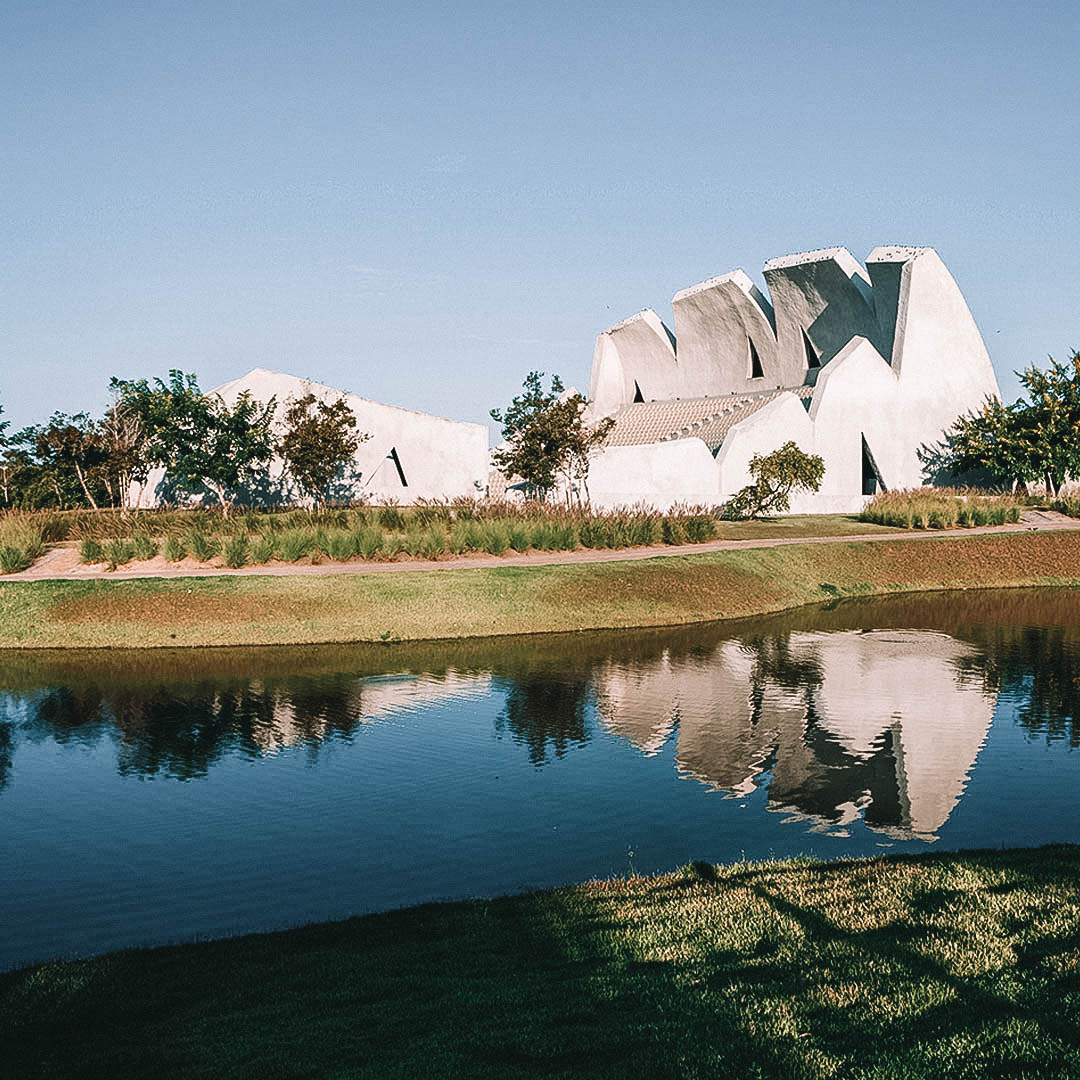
[927, 966]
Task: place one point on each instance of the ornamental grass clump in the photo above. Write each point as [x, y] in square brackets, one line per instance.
[294, 544]
[143, 547]
[262, 548]
[90, 551]
[202, 546]
[175, 549]
[368, 542]
[340, 544]
[942, 508]
[118, 552]
[496, 538]
[236, 551]
[21, 542]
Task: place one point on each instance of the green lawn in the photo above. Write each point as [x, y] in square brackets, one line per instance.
[931, 966]
[661, 591]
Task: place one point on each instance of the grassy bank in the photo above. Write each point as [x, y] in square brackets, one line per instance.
[931, 966]
[106, 540]
[516, 600]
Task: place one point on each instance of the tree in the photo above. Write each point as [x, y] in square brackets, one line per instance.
[123, 440]
[547, 436]
[71, 444]
[1037, 439]
[320, 440]
[776, 476]
[203, 442]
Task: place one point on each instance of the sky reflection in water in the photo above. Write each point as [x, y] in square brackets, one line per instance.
[148, 798]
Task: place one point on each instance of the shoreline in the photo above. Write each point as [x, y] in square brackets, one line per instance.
[768, 968]
[664, 590]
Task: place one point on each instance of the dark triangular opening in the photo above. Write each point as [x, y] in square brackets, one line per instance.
[638, 395]
[812, 358]
[871, 478]
[397, 465]
[756, 370]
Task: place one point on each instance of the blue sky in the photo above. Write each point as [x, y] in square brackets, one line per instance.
[421, 203]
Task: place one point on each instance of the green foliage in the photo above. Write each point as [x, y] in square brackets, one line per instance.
[90, 551]
[775, 477]
[262, 548]
[175, 548]
[391, 517]
[547, 438]
[237, 551]
[1035, 439]
[295, 544]
[369, 542]
[320, 440]
[118, 552]
[202, 546]
[203, 442]
[143, 547]
[340, 544]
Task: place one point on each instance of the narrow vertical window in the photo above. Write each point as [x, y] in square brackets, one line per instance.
[393, 456]
[871, 478]
[812, 358]
[756, 370]
[638, 395]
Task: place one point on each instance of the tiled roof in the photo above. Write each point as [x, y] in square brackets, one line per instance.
[709, 418]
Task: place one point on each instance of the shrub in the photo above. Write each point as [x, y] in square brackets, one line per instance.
[518, 537]
[432, 543]
[393, 544]
[175, 548]
[673, 530]
[236, 551]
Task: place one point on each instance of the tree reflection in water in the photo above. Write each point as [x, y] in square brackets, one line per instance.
[842, 714]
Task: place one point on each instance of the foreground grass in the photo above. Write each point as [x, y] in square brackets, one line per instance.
[930, 966]
[516, 600]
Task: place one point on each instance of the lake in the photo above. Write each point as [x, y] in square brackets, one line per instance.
[152, 797]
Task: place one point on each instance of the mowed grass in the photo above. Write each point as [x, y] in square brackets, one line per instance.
[659, 591]
[899, 967]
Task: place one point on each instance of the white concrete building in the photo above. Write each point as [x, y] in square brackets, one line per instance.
[409, 455]
[861, 365]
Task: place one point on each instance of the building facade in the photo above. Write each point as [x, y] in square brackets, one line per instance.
[866, 366]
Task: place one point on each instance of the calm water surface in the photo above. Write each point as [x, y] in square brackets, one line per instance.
[155, 797]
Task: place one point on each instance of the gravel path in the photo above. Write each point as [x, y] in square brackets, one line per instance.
[62, 564]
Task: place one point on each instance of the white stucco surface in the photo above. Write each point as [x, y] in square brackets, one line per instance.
[887, 356]
[409, 455]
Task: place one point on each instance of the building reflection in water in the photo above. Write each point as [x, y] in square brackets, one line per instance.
[836, 721]
[884, 725]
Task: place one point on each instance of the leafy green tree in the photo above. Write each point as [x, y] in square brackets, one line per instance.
[203, 442]
[72, 444]
[320, 440]
[775, 476]
[547, 437]
[1033, 439]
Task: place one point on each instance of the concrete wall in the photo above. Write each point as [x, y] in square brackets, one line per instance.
[438, 458]
[900, 358]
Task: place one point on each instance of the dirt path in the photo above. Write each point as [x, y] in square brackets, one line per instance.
[62, 564]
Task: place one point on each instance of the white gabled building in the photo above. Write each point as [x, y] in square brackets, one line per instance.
[409, 455]
[862, 365]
